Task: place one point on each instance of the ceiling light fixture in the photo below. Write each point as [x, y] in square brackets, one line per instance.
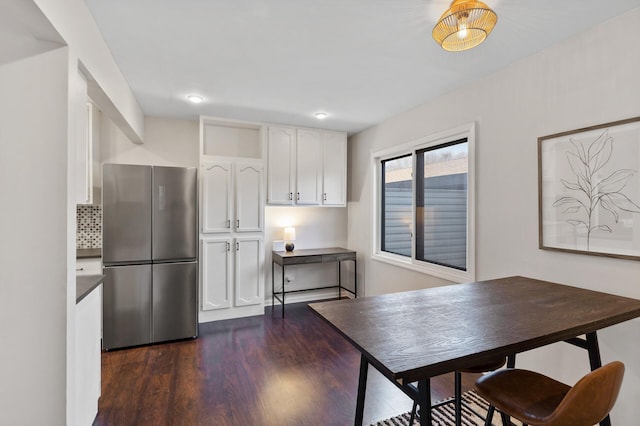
[196, 99]
[321, 115]
[466, 24]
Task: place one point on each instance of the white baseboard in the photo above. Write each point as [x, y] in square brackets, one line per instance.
[230, 313]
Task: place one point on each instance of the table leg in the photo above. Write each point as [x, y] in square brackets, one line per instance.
[596, 362]
[362, 388]
[424, 401]
[355, 278]
[283, 271]
[273, 287]
[339, 280]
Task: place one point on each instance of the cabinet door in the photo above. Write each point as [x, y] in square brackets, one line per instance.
[308, 167]
[248, 194]
[87, 362]
[334, 176]
[216, 197]
[215, 264]
[280, 160]
[81, 116]
[249, 287]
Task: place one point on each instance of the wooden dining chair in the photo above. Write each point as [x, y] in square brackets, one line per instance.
[538, 400]
[457, 397]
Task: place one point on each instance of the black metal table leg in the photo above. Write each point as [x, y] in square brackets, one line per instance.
[273, 287]
[424, 401]
[355, 278]
[283, 291]
[362, 388]
[596, 362]
[339, 280]
[511, 361]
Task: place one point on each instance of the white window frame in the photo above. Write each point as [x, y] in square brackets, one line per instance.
[466, 131]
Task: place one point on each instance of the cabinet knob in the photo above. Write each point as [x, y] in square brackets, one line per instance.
[298, 196]
[324, 196]
[238, 223]
[291, 196]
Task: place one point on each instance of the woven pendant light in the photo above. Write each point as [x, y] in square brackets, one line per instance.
[464, 25]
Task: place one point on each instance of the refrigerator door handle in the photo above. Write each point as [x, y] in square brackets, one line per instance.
[162, 200]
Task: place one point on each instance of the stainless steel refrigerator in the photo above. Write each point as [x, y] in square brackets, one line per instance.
[149, 252]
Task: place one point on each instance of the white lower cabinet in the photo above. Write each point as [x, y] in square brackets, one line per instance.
[249, 259]
[232, 271]
[88, 351]
[215, 264]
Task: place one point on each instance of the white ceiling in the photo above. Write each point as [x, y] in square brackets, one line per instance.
[280, 61]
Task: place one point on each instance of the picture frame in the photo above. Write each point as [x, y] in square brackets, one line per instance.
[589, 190]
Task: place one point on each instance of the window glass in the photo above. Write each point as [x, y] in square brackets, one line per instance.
[396, 206]
[441, 204]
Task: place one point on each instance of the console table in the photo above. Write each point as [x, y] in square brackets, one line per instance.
[302, 257]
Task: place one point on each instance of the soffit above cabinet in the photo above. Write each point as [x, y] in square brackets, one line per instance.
[25, 31]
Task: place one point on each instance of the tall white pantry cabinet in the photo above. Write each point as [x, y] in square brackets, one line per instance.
[232, 204]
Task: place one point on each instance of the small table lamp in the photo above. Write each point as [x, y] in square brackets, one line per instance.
[289, 237]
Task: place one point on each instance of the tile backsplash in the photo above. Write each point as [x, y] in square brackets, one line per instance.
[89, 230]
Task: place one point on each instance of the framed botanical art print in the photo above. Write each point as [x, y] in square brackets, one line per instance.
[589, 190]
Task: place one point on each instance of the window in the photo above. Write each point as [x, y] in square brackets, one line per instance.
[424, 205]
[396, 209]
[441, 204]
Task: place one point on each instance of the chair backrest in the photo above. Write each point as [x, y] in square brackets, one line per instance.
[591, 399]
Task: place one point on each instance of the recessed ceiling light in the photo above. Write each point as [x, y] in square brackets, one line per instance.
[196, 99]
[321, 115]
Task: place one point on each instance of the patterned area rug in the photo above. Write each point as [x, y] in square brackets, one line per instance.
[474, 411]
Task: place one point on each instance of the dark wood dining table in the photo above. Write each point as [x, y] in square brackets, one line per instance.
[415, 335]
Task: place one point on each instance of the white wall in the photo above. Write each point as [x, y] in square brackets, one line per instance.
[168, 142]
[316, 227]
[33, 225]
[587, 80]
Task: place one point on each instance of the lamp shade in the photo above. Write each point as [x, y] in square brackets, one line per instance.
[466, 24]
[290, 233]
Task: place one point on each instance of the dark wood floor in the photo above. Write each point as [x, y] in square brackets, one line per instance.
[251, 371]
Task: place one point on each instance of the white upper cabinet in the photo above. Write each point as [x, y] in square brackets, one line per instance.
[306, 167]
[216, 197]
[85, 117]
[231, 206]
[249, 201]
[281, 147]
[334, 169]
[81, 114]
